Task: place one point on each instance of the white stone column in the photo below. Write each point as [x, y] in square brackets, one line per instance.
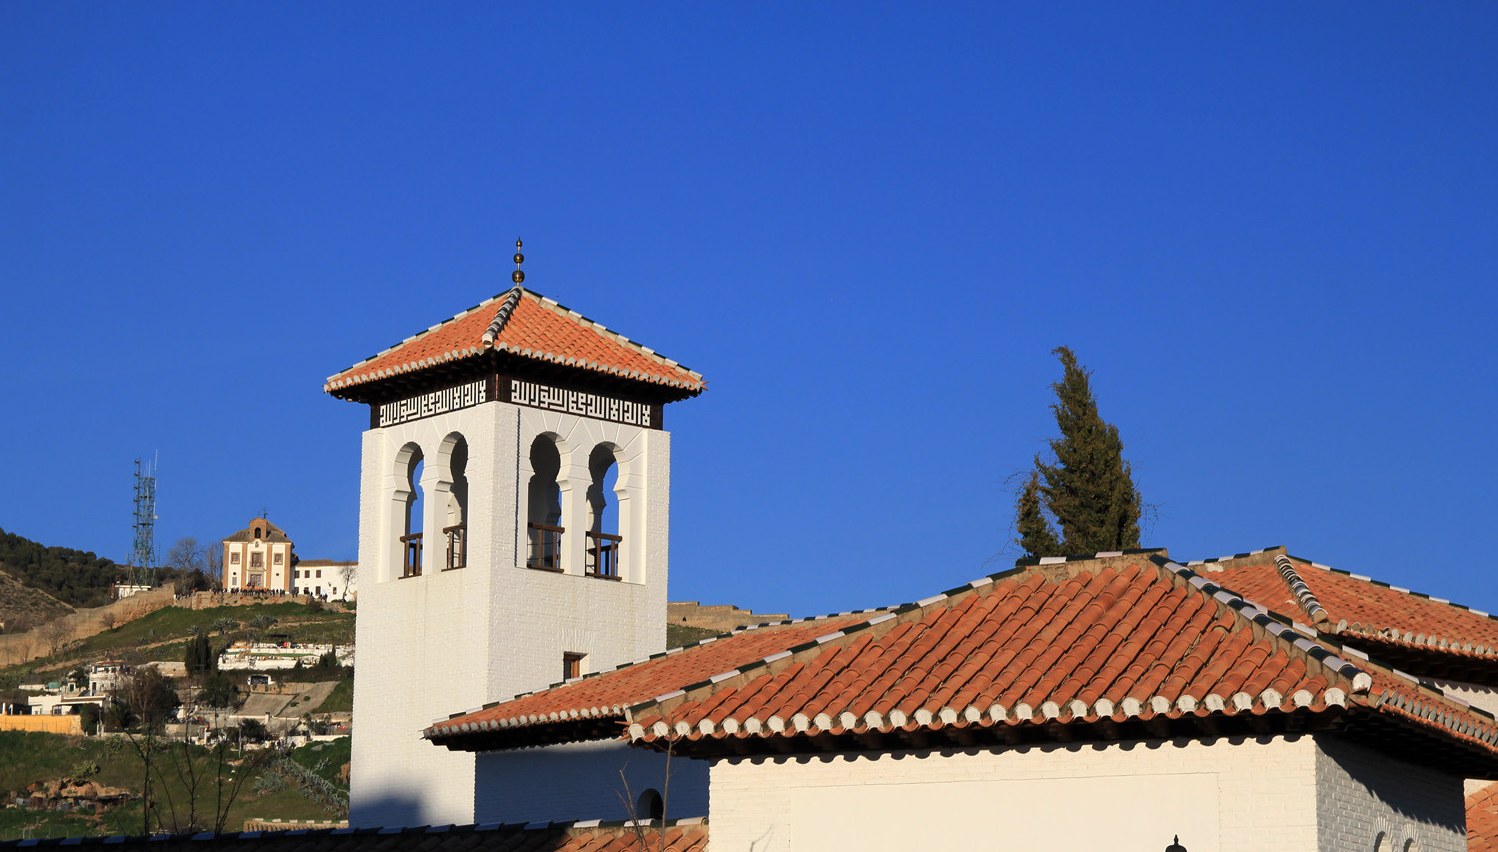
[434, 491]
[574, 480]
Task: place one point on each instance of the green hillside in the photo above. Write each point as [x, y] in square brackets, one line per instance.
[273, 791]
[160, 635]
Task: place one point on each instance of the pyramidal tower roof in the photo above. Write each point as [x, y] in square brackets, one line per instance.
[524, 325]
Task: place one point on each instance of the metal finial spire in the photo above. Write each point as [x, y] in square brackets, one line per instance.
[518, 276]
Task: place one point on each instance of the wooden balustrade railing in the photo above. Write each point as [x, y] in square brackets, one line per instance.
[603, 555]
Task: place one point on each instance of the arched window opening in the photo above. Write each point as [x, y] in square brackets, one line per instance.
[603, 515]
[1378, 842]
[455, 527]
[544, 507]
[411, 540]
[650, 805]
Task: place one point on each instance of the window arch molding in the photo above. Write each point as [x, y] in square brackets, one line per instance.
[450, 501]
[547, 461]
[405, 506]
[609, 513]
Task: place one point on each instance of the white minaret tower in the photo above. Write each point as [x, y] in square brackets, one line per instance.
[513, 528]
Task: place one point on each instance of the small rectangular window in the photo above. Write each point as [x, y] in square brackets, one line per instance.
[257, 560]
[234, 559]
[278, 558]
[572, 666]
[319, 573]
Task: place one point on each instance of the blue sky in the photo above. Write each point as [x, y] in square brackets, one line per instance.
[1267, 228]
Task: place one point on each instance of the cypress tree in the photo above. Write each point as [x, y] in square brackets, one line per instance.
[198, 655]
[1035, 534]
[1089, 489]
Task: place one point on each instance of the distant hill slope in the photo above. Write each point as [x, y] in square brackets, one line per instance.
[22, 607]
[75, 577]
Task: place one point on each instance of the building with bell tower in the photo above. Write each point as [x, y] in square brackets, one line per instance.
[513, 529]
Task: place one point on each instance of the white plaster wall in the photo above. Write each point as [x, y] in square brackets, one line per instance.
[582, 781]
[423, 641]
[450, 641]
[547, 614]
[1362, 794]
[1229, 795]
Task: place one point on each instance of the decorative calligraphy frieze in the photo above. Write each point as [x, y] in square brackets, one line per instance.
[581, 403]
[428, 404]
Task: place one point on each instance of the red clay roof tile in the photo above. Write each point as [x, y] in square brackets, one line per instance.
[604, 696]
[530, 326]
[1177, 643]
[1482, 820]
[1358, 609]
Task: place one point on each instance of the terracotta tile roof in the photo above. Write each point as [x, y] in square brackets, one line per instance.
[593, 706]
[1095, 644]
[273, 534]
[1390, 622]
[680, 836]
[1482, 820]
[529, 326]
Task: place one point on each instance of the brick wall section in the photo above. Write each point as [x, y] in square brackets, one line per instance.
[1361, 794]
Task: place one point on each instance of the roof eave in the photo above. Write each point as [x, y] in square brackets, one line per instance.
[492, 737]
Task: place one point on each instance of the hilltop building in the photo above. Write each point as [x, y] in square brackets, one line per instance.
[513, 530]
[259, 557]
[326, 578]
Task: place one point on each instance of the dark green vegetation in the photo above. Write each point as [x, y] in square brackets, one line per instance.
[1087, 492]
[678, 635]
[273, 789]
[198, 657]
[75, 577]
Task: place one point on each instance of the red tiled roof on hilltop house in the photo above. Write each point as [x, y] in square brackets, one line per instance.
[592, 707]
[1120, 647]
[1431, 636]
[525, 325]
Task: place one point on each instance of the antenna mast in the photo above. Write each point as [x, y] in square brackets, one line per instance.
[143, 557]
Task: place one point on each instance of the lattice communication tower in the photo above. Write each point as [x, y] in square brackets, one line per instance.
[143, 557]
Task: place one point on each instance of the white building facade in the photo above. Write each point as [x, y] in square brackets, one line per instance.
[513, 529]
[259, 557]
[327, 579]
[1239, 794]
